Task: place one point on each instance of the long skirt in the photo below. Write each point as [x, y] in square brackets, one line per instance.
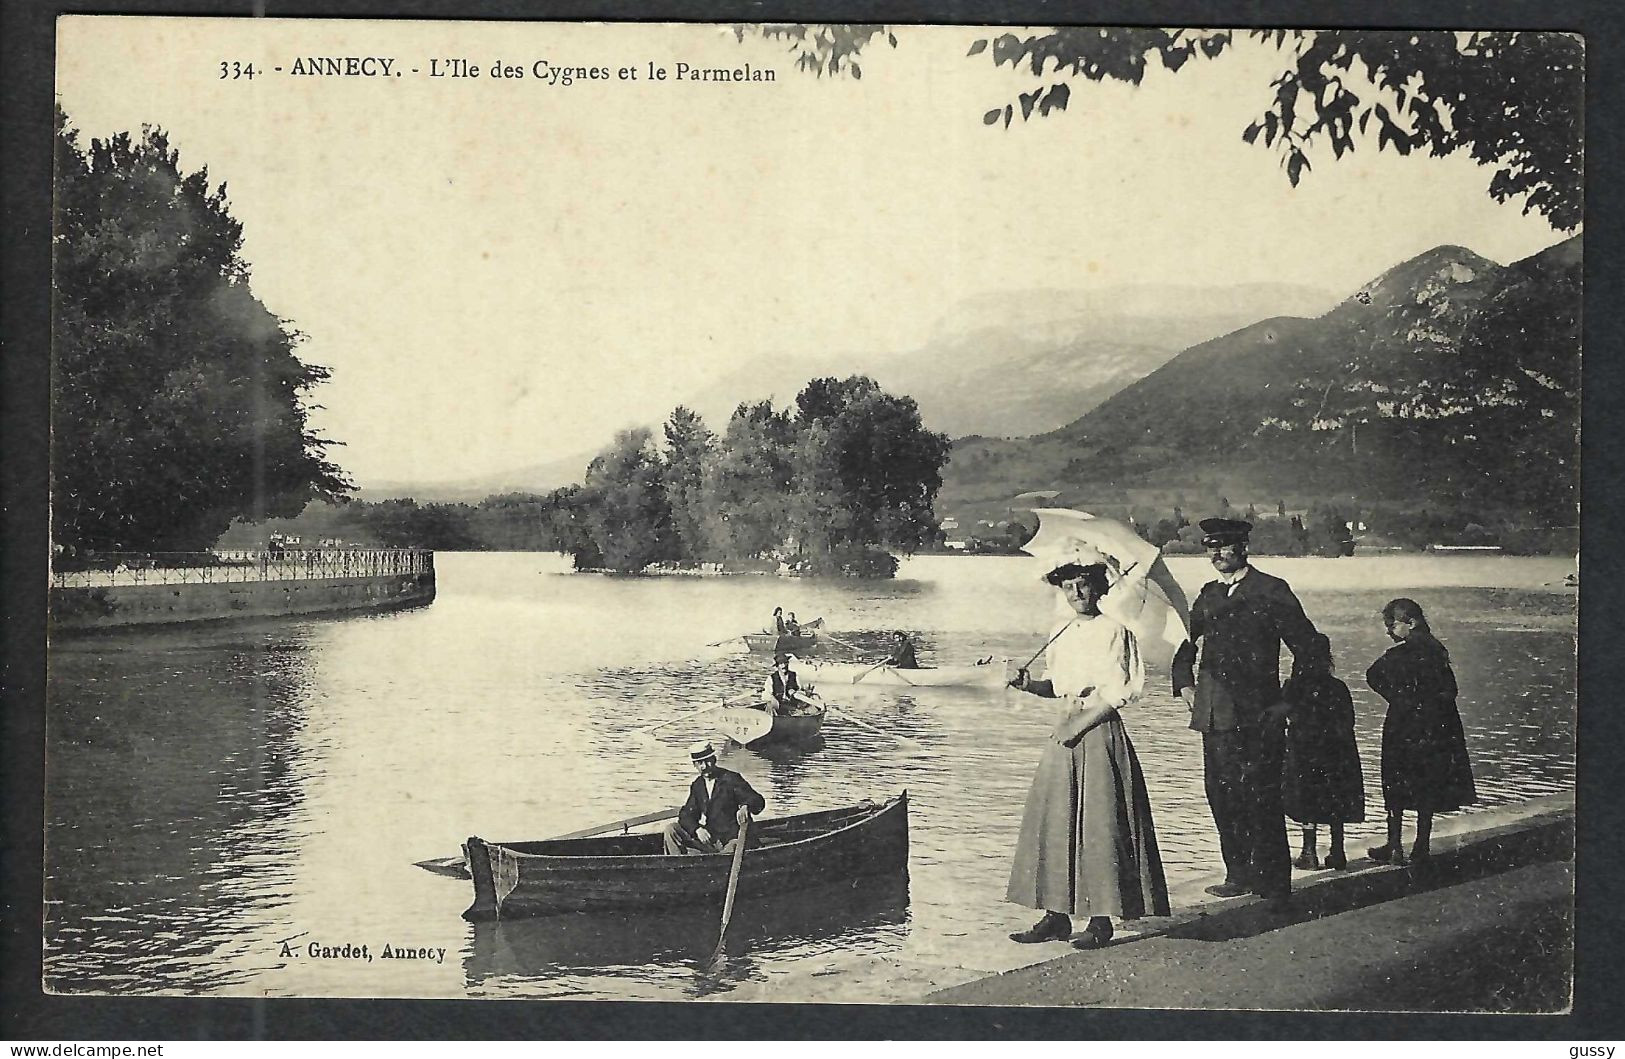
[1088, 846]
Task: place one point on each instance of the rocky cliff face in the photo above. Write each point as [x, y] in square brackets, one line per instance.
[1439, 375]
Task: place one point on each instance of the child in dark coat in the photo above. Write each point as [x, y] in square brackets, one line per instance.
[1424, 750]
[1321, 780]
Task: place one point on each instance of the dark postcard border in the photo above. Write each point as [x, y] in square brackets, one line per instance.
[25, 139]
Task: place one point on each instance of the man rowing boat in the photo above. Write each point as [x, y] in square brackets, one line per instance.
[781, 686]
[719, 803]
[902, 653]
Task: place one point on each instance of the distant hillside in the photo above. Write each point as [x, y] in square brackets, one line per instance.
[1437, 380]
[536, 478]
[1008, 364]
[1025, 362]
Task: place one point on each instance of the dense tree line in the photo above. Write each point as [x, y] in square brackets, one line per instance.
[178, 403]
[834, 485]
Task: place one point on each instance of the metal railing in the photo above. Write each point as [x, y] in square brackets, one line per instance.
[107, 569]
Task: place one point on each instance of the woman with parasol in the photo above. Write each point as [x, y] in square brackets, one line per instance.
[1088, 845]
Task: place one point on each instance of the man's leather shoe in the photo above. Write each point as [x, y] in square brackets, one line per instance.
[1227, 889]
[1053, 927]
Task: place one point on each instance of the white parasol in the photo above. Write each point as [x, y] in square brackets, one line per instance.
[1144, 597]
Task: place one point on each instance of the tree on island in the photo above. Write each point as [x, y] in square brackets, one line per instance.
[747, 485]
[628, 514]
[1510, 100]
[690, 445]
[850, 472]
[887, 466]
[178, 403]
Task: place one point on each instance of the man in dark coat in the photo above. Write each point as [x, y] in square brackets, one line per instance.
[719, 803]
[782, 686]
[902, 653]
[1240, 622]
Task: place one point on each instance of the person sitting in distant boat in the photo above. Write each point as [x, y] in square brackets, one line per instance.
[778, 621]
[782, 686]
[902, 653]
[792, 627]
[719, 803]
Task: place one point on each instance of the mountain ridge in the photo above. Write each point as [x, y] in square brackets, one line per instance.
[1352, 400]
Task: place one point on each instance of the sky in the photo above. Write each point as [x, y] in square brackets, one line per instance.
[501, 272]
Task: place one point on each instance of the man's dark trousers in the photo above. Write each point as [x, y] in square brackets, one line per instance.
[1243, 773]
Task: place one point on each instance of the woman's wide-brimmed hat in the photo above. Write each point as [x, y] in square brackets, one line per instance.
[1078, 555]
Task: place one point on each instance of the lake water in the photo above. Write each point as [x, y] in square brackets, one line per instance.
[217, 791]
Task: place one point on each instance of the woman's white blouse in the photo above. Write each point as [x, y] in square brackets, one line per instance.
[1099, 653]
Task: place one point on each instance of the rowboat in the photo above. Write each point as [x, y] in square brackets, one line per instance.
[990, 675]
[628, 873]
[788, 643]
[756, 725]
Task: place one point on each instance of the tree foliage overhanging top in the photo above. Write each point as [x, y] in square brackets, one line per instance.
[178, 403]
[1512, 100]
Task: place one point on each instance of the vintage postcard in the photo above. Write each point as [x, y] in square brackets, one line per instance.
[987, 515]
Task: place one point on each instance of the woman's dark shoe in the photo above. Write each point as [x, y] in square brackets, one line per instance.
[1306, 862]
[1228, 889]
[1095, 935]
[1421, 862]
[1053, 927]
[1336, 861]
[1386, 854]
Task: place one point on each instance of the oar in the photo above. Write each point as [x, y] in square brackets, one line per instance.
[457, 866]
[680, 717]
[724, 704]
[843, 643]
[911, 744]
[733, 884]
[622, 825]
[871, 669]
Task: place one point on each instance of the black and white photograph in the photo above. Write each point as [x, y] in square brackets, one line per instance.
[1017, 516]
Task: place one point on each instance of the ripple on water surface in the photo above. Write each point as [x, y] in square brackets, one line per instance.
[214, 793]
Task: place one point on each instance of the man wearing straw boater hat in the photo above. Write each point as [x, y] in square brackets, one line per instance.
[1240, 621]
[719, 802]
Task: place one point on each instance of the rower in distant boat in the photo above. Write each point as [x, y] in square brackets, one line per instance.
[781, 686]
[791, 625]
[902, 653]
[779, 627]
[719, 803]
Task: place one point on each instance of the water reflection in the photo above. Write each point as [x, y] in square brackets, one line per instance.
[214, 790]
[173, 795]
[559, 956]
